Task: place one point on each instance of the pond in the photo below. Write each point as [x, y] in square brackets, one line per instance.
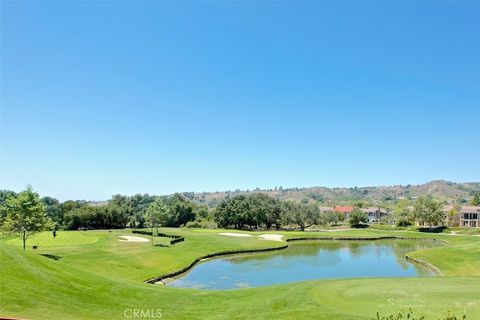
[307, 260]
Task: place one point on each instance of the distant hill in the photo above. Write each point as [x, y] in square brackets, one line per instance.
[445, 190]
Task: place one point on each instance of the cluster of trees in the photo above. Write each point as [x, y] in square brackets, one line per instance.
[425, 210]
[261, 210]
[174, 211]
[118, 212]
[109, 216]
[122, 211]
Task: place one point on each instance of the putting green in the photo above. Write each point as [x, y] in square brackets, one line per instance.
[63, 238]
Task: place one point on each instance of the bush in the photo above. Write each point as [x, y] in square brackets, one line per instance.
[402, 222]
[433, 229]
[148, 233]
[358, 218]
[163, 235]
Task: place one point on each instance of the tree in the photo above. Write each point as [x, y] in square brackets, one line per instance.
[453, 216]
[359, 204]
[156, 214]
[429, 210]
[303, 215]
[403, 213]
[235, 211]
[476, 199]
[4, 195]
[26, 215]
[181, 211]
[52, 207]
[357, 217]
[332, 217]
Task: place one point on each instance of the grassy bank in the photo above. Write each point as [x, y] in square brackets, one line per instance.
[90, 274]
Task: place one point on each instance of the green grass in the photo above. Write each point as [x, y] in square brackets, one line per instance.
[92, 275]
[45, 239]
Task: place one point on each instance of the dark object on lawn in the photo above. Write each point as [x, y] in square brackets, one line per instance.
[433, 229]
[51, 256]
[34, 247]
[176, 240]
[54, 232]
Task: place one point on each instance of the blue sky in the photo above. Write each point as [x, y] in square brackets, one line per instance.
[99, 98]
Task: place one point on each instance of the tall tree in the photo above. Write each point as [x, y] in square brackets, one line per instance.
[403, 213]
[26, 215]
[476, 199]
[156, 214]
[453, 218]
[53, 209]
[429, 210]
[301, 214]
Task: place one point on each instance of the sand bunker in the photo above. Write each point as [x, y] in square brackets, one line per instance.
[132, 239]
[231, 234]
[272, 237]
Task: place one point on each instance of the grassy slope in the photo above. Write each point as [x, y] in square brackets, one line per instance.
[98, 277]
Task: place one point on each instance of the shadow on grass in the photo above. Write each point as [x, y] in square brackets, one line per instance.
[161, 245]
[51, 256]
[360, 226]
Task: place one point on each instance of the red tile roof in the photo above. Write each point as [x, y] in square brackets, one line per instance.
[345, 209]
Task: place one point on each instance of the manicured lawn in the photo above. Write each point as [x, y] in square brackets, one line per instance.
[90, 274]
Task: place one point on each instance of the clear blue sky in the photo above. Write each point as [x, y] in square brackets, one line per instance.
[99, 98]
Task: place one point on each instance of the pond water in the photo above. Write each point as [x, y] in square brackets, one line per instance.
[307, 260]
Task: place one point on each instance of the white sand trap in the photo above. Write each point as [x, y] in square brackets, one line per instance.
[272, 237]
[231, 234]
[132, 239]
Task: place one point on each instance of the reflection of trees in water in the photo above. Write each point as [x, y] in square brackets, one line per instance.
[329, 251]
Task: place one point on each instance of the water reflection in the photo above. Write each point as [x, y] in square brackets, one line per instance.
[308, 260]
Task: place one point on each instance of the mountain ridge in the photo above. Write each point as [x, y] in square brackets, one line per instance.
[442, 189]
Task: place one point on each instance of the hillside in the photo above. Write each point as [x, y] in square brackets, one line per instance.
[445, 190]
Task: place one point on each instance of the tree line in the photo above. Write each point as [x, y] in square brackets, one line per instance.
[26, 213]
[260, 210]
[118, 212]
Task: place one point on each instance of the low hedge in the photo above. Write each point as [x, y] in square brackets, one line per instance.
[148, 233]
[176, 238]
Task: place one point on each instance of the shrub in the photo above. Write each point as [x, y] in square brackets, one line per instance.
[358, 218]
[148, 233]
[159, 234]
[403, 222]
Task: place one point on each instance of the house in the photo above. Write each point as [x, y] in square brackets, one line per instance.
[325, 209]
[375, 214]
[470, 216]
[345, 210]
